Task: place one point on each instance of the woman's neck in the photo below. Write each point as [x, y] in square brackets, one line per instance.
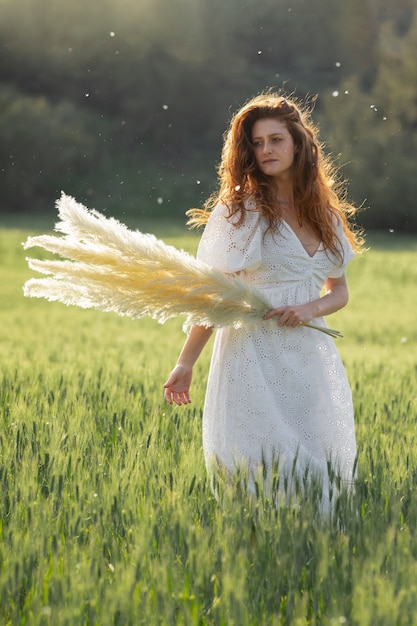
[285, 194]
[286, 203]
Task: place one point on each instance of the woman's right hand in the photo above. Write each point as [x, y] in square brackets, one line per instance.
[177, 387]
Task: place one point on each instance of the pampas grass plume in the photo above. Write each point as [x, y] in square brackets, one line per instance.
[111, 268]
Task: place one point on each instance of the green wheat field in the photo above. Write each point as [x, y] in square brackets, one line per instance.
[106, 513]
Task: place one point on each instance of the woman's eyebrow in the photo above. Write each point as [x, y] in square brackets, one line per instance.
[271, 135]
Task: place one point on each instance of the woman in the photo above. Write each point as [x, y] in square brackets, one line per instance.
[277, 391]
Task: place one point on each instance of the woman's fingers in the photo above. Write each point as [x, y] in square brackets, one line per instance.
[287, 316]
[273, 313]
[176, 391]
[177, 397]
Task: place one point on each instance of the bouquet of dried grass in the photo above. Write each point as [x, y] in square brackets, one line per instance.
[111, 268]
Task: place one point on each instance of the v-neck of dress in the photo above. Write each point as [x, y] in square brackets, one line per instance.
[290, 228]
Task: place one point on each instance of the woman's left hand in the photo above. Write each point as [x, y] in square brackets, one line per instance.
[335, 298]
[291, 316]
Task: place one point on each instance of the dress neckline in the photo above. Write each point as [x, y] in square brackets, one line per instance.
[290, 228]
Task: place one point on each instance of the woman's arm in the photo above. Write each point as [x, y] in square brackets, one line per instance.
[177, 387]
[335, 298]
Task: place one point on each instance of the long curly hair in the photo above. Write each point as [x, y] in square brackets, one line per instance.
[319, 195]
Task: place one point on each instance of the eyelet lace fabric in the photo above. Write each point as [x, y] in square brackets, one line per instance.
[275, 393]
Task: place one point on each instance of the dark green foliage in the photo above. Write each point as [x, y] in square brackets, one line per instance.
[126, 110]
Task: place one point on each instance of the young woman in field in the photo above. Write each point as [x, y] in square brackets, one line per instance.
[277, 391]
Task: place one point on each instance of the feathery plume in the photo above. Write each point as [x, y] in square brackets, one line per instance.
[111, 268]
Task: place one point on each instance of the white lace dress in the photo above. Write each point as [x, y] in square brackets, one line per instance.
[275, 393]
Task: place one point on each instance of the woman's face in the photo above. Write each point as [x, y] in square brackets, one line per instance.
[273, 147]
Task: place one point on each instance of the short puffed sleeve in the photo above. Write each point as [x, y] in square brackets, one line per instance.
[230, 248]
[345, 248]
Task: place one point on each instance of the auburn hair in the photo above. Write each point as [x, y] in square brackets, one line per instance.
[319, 195]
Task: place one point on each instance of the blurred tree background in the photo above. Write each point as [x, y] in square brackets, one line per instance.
[123, 103]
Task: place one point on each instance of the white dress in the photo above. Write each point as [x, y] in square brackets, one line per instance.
[276, 394]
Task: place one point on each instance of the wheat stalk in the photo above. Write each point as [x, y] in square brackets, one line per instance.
[111, 268]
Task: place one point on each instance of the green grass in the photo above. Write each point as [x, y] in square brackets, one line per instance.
[106, 515]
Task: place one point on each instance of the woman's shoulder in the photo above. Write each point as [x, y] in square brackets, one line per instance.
[237, 216]
[232, 244]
